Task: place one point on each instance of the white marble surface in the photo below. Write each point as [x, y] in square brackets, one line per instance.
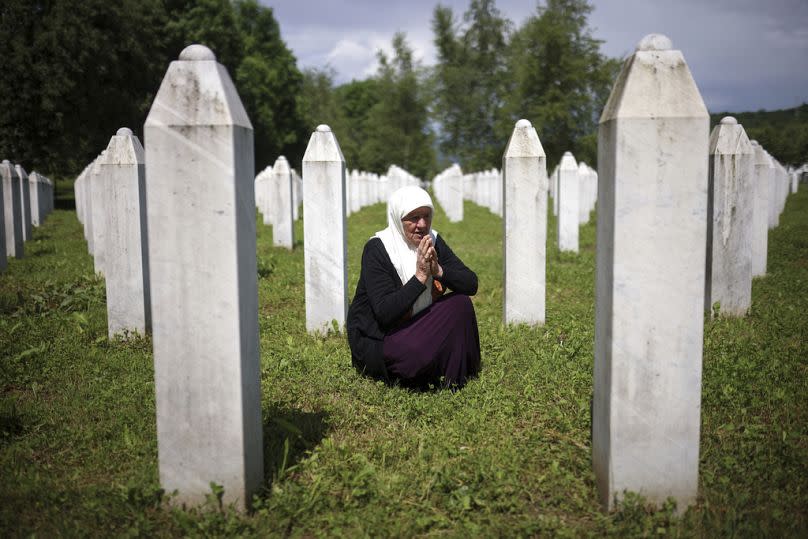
[25, 202]
[12, 211]
[524, 171]
[651, 230]
[99, 194]
[729, 232]
[127, 284]
[34, 190]
[773, 215]
[568, 201]
[3, 255]
[202, 260]
[325, 233]
[760, 215]
[283, 223]
[555, 179]
[449, 192]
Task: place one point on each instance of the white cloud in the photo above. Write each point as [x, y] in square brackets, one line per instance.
[744, 54]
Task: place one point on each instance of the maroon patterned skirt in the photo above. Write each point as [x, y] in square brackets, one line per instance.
[441, 345]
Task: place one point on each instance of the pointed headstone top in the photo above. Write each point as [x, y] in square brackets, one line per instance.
[729, 120]
[655, 42]
[568, 162]
[323, 128]
[197, 53]
[124, 132]
[524, 142]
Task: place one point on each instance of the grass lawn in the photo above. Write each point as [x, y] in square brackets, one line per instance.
[509, 455]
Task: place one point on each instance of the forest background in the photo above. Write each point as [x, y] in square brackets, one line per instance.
[75, 72]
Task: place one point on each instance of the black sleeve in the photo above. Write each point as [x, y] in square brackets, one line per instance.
[456, 275]
[388, 299]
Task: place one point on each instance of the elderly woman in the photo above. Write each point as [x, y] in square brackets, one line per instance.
[401, 326]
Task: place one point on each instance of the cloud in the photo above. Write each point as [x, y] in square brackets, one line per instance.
[744, 54]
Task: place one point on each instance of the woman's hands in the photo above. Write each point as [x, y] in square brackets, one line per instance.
[426, 264]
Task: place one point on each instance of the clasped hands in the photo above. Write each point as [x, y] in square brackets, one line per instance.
[426, 264]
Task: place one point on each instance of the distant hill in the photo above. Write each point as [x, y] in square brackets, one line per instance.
[784, 133]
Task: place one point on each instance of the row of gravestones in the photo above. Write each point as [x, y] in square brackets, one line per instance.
[197, 238]
[484, 188]
[367, 188]
[574, 189]
[278, 194]
[580, 184]
[25, 201]
[448, 189]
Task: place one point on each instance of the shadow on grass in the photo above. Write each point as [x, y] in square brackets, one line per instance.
[289, 435]
[44, 251]
[11, 422]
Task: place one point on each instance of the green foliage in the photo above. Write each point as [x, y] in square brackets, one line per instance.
[77, 71]
[469, 83]
[509, 455]
[396, 127]
[74, 72]
[784, 133]
[560, 81]
[356, 99]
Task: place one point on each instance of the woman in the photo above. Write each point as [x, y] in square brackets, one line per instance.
[400, 325]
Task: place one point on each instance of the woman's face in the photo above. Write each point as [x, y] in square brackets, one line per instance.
[417, 224]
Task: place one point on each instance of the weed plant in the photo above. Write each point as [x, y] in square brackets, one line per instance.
[509, 455]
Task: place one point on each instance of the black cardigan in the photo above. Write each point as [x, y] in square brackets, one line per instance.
[381, 301]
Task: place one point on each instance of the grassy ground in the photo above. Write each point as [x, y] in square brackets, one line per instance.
[509, 455]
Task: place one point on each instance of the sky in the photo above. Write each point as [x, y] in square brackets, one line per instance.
[745, 55]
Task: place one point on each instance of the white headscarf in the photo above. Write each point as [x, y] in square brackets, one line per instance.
[401, 253]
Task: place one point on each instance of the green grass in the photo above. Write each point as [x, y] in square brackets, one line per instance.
[509, 455]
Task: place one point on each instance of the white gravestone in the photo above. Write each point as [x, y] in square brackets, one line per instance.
[283, 223]
[127, 273]
[453, 184]
[88, 204]
[25, 203]
[34, 191]
[3, 255]
[202, 260]
[325, 232]
[760, 215]
[555, 189]
[12, 211]
[524, 193]
[729, 231]
[98, 196]
[651, 229]
[583, 193]
[568, 200]
[773, 217]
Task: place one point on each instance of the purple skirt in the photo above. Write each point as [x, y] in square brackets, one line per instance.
[441, 345]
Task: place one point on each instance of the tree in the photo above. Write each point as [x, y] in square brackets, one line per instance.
[469, 83]
[397, 127]
[356, 99]
[560, 79]
[320, 104]
[74, 72]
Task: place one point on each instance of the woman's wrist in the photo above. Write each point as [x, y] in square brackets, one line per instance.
[421, 276]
